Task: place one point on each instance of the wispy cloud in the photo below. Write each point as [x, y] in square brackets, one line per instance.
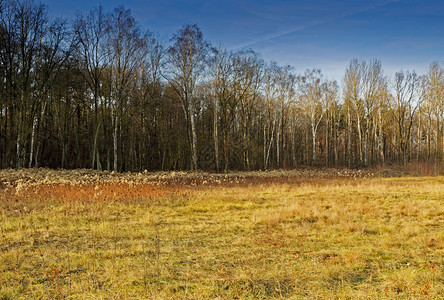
[311, 24]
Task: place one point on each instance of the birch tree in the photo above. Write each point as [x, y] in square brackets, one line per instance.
[435, 102]
[352, 101]
[311, 89]
[311, 101]
[372, 82]
[187, 59]
[125, 48]
[407, 100]
[270, 91]
[285, 83]
[329, 101]
[30, 30]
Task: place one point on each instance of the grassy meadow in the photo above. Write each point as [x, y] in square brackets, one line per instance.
[292, 234]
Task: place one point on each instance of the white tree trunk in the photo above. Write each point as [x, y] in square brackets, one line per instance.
[314, 139]
[360, 138]
[349, 143]
[327, 154]
[265, 146]
[31, 153]
[269, 145]
[216, 134]
[193, 137]
[19, 150]
[381, 138]
[115, 141]
[278, 142]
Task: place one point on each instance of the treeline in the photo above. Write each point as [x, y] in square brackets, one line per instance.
[102, 93]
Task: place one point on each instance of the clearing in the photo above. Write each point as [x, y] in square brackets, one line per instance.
[293, 234]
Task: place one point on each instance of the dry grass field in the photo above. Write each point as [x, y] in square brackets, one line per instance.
[292, 234]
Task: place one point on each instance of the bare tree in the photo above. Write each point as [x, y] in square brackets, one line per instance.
[9, 69]
[248, 69]
[90, 33]
[407, 100]
[434, 96]
[285, 84]
[311, 100]
[126, 50]
[149, 93]
[270, 91]
[222, 89]
[187, 59]
[107, 102]
[373, 82]
[352, 101]
[31, 59]
[330, 94]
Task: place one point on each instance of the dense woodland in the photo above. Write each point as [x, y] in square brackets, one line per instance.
[100, 92]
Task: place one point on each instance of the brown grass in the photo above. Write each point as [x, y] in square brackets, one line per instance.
[199, 236]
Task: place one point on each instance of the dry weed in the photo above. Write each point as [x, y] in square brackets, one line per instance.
[285, 234]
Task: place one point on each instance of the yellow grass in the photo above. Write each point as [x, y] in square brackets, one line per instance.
[199, 236]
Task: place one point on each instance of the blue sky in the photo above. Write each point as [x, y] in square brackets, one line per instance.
[403, 34]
